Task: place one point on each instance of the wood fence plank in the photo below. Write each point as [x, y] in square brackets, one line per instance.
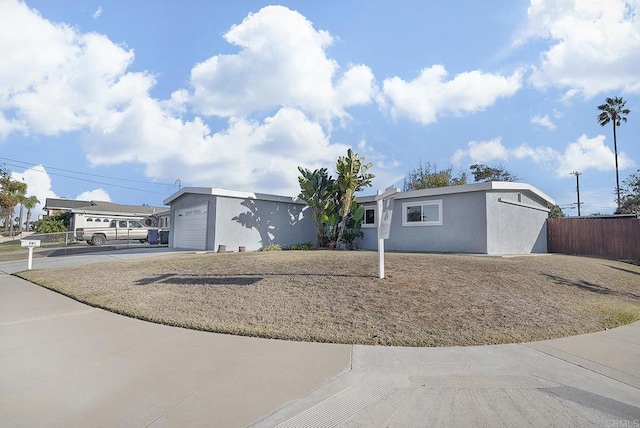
[615, 238]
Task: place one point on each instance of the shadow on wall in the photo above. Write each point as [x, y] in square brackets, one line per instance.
[270, 219]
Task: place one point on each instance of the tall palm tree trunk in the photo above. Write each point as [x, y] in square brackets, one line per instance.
[615, 150]
[21, 214]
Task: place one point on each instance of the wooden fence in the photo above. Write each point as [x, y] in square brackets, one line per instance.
[611, 238]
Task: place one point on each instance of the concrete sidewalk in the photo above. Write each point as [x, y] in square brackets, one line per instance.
[63, 363]
[589, 380]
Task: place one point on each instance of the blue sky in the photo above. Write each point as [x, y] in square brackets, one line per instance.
[121, 100]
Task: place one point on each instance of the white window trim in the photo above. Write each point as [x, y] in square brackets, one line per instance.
[437, 202]
[375, 217]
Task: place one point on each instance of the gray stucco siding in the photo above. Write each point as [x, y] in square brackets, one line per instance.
[515, 226]
[463, 226]
[255, 223]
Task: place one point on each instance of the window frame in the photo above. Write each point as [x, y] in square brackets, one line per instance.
[421, 204]
[375, 217]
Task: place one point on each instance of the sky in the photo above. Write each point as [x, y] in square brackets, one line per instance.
[128, 101]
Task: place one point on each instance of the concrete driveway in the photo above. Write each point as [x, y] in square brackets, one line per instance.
[63, 363]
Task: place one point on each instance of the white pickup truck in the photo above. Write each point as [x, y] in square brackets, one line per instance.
[117, 230]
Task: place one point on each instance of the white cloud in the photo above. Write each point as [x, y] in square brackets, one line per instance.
[38, 185]
[94, 195]
[543, 121]
[281, 63]
[581, 155]
[98, 13]
[280, 94]
[430, 95]
[482, 151]
[248, 155]
[594, 45]
[60, 80]
[590, 153]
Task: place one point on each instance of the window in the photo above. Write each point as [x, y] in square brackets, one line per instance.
[134, 224]
[122, 223]
[423, 213]
[369, 217]
[89, 219]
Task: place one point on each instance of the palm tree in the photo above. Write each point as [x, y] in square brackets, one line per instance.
[21, 198]
[13, 191]
[613, 111]
[30, 203]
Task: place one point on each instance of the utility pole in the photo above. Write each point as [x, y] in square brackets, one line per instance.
[577, 174]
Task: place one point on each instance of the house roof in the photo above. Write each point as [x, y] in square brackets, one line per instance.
[100, 207]
[231, 194]
[467, 188]
[63, 204]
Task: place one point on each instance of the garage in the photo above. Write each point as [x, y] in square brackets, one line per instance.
[190, 228]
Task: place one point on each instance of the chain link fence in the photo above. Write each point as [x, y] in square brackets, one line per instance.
[59, 243]
[47, 240]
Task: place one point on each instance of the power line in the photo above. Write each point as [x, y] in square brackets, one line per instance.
[88, 180]
[83, 173]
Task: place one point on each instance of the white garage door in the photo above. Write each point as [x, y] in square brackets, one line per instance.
[190, 228]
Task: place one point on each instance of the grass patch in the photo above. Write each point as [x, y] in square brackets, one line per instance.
[335, 296]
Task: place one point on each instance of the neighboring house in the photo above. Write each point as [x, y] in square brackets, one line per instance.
[163, 219]
[204, 218]
[483, 218]
[55, 206]
[88, 214]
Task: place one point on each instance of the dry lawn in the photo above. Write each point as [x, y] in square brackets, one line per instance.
[335, 296]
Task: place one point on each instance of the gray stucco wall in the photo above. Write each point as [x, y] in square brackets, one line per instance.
[251, 223]
[463, 228]
[519, 227]
[254, 223]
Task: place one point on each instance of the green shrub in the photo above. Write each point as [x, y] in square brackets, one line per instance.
[302, 246]
[271, 247]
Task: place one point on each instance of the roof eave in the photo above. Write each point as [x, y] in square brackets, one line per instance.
[231, 194]
[466, 188]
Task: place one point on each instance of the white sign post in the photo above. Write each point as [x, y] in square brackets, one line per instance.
[31, 244]
[385, 212]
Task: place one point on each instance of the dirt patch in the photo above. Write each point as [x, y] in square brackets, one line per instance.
[335, 296]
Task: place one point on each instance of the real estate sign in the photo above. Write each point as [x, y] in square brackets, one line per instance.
[385, 211]
[385, 218]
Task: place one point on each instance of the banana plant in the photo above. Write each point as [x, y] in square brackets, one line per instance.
[354, 223]
[318, 189]
[352, 177]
